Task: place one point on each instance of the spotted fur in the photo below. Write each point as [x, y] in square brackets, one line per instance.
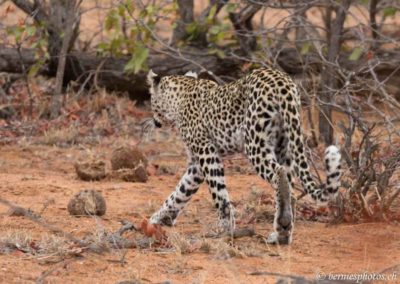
[258, 114]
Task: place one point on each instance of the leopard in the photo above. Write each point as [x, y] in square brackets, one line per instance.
[258, 115]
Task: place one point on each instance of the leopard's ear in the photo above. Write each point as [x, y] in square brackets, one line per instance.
[153, 79]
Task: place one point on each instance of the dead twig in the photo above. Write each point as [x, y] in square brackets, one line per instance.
[119, 242]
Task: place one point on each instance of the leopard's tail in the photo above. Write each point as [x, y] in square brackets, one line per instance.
[321, 193]
[333, 169]
[324, 192]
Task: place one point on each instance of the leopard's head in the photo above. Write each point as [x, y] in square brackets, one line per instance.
[163, 102]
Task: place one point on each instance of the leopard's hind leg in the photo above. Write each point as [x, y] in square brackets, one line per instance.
[260, 147]
[284, 158]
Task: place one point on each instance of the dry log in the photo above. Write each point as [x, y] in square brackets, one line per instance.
[108, 72]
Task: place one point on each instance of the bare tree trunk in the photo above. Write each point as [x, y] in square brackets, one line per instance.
[329, 79]
[201, 39]
[71, 9]
[242, 22]
[60, 21]
[54, 21]
[372, 22]
[186, 17]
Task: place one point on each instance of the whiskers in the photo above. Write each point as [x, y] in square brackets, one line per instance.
[148, 127]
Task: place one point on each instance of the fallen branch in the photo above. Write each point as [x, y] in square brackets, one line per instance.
[27, 213]
[115, 239]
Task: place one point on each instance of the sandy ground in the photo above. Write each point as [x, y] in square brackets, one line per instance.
[34, 175]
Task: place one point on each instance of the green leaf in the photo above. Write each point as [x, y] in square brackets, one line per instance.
[130, 65]
[137, 61]
[214, 30]
[191, 28]
[220, 54]
[150, 9]
[112, 20]
[231, 7]
[102, 48]
[324, 50]
[121, 10]
[220, 37]
[30, 31]
[212, 13]
[389, 12]
[42, 42]
[18, 33]
[305, 48]
[130, 7]
[34, 70]
[356, 54]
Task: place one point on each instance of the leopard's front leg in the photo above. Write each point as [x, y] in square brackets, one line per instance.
[213, 171]
[187, 186]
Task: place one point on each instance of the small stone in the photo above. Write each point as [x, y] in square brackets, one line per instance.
[141, 174]
[91, 170]
[87, 202]
[126, 174]
[127, 158]
[138, 174]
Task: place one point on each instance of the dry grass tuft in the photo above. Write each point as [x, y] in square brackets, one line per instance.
[258, 205]
[51, 244]
[224, 250]
[205, 246]
[60, 137]
[16, 239]
[180, 243]
[252, 250]
[23, 241]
